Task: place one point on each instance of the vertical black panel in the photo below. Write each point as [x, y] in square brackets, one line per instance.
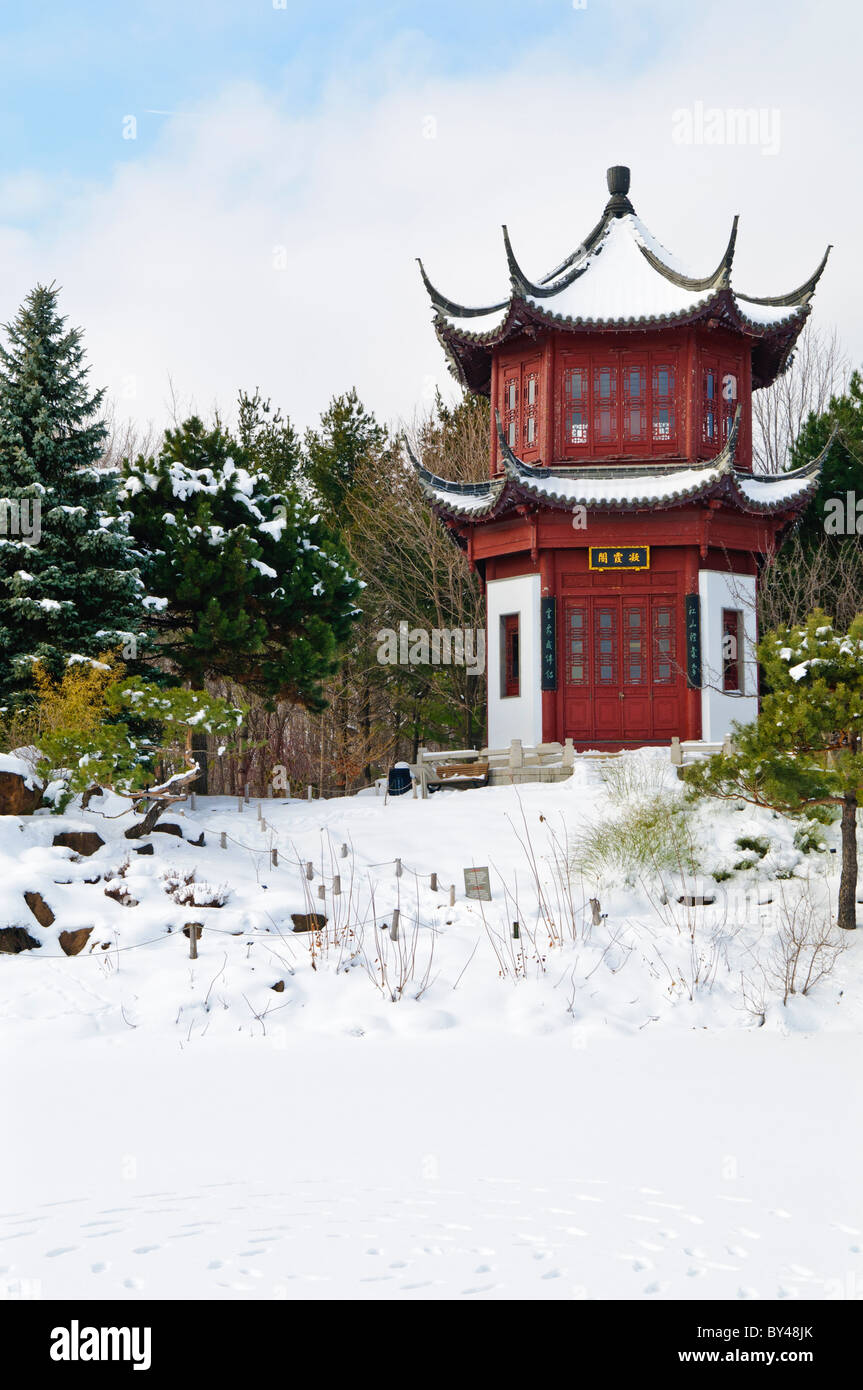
[548, 640]
[693, 641]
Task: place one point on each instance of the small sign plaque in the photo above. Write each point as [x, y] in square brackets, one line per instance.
[477, 884]
[693, 641]
[548, 638]
[623, 557]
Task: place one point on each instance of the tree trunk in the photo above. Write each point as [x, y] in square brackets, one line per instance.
[848, 881]
[199, 754]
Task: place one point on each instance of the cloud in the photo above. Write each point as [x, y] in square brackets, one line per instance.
[249, 245]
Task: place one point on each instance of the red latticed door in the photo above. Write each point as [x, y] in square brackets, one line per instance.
[622, 680]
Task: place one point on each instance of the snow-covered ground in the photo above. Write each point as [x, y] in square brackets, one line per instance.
[625, 1109]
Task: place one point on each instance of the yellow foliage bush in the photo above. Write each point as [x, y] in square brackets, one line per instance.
[76, 702]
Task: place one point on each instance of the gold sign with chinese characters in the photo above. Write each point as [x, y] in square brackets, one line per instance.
[629, 557]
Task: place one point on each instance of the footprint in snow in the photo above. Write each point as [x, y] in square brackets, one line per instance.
[61, 1250]
[100, 1267]
[145, 1249]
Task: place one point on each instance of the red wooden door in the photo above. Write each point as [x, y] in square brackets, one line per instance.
[622, 682]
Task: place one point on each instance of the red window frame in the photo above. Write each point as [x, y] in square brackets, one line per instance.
[520, 406]
[720, 396]
[511, 656]
[732, 667]
[616, 402]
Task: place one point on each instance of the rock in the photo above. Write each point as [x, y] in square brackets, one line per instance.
[145, 849]
[89, 794]
[40, 909]
[169, 828]
[16, 939]
[74, 941]
[199, 843]
[696, 900]
[279, 986]
[308, 921]
[16, 798]
[199, 927]
[84, 842]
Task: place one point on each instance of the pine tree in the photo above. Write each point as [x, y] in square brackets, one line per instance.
[252, 587]
[69, 585]
[348, 435]
[804, 753]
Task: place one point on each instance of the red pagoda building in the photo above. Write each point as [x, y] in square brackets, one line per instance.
[620, 530]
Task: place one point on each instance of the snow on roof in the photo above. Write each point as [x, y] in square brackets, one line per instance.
[618, 284]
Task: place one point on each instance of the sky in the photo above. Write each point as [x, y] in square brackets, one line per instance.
[233, 194]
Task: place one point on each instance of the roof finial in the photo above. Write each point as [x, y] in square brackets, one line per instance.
[618, 179]
[618, 204]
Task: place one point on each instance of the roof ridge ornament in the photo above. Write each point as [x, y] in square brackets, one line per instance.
[794, 298]
[719, 280]
[449, 306]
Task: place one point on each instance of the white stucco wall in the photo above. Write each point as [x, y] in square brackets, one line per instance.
[517, 716]
[718, 590]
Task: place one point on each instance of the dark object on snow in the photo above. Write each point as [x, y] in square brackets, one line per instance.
[74, 941]
[308, 921]
[145, 849]
[199, 927]
[695, 900]
[16, 798]
[84, 842]
[16, 939]
[279, 986]
[199, 843]
[399, 780]
[169, 828]
[40, 909]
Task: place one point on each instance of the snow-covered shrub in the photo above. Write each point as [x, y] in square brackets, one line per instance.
[635, 777]
[758, 844]
[188, 892]
[648, 837]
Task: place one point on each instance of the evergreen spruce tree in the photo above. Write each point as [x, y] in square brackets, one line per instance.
[252, 586]
[804, 753]
[69, 585]
[347, 436]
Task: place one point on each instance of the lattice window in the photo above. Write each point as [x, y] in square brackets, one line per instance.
[664, 645]
[664, 417]
[576, 406]
[577, 655]
[710, 406]
[531, 410]
[512, 656]
[634, 404]
[605, 645]
[605, 405]
[731, 664]
[634, 646]
[728, 402]
[510, 410]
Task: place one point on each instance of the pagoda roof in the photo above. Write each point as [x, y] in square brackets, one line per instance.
[621, 487]
[619, 278]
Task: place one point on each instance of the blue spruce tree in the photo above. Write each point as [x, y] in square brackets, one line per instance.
[69, 586]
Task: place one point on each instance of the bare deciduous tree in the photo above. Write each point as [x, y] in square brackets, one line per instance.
[819, 370]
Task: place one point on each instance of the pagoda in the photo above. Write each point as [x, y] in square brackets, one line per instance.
[621, 528]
